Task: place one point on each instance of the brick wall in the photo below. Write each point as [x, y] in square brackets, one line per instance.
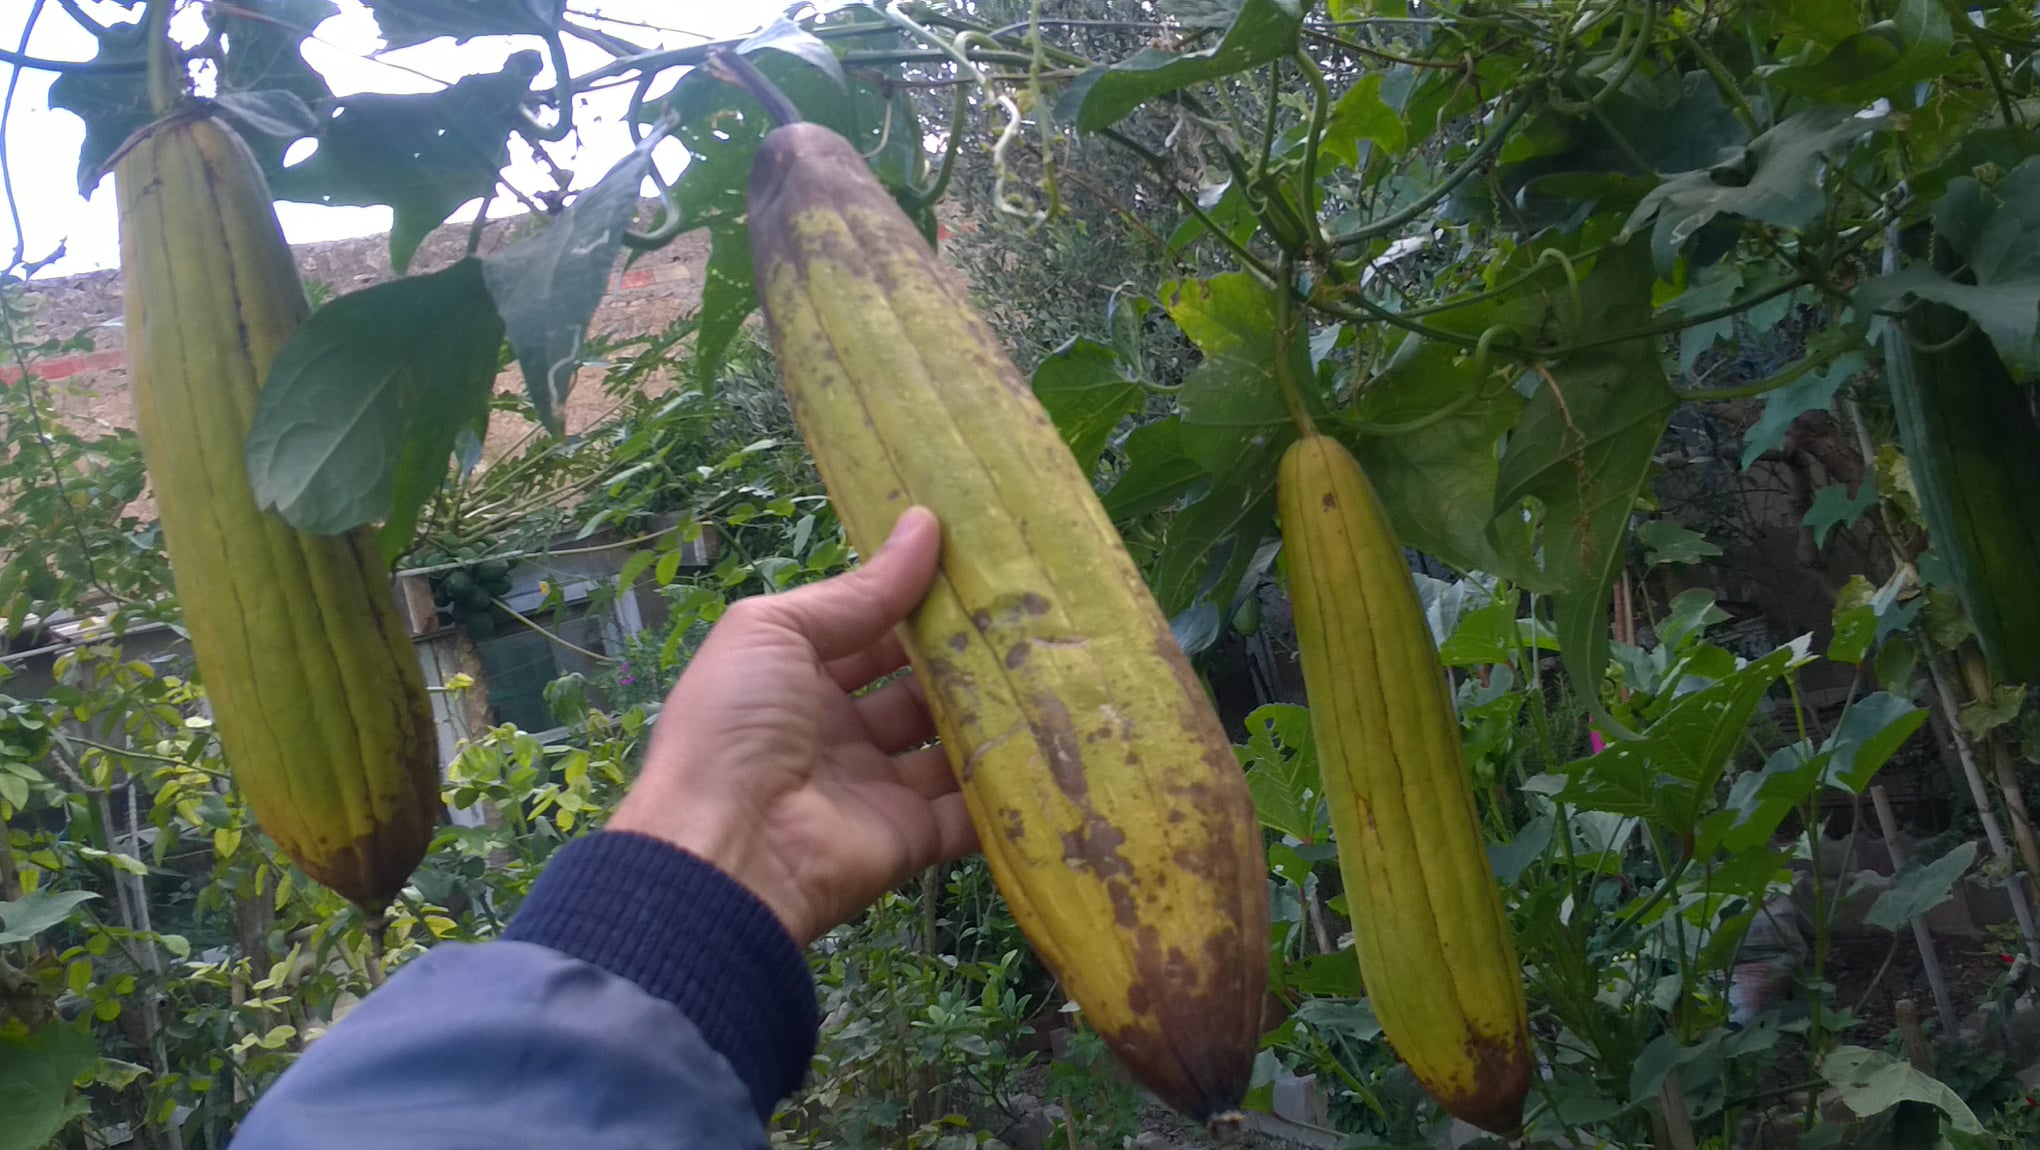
[90, 387]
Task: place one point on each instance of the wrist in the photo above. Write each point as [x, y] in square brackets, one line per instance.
[726, 839]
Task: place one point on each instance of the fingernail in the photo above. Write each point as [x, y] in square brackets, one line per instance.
[900, 525]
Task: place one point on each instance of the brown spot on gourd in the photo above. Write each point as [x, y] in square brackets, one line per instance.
[1016, 654]
[1330, 502]
[981, 619]
[959, 642]
[1175, 816]
[1016, 825]
[1033, 604]
[1058, 738]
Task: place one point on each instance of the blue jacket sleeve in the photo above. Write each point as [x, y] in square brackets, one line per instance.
[640, 998]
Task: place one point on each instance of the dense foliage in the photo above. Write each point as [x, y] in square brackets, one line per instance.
[1603, 295]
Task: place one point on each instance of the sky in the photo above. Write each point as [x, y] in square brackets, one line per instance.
[42, 143]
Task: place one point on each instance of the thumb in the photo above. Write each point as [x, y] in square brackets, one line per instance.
[846, 613]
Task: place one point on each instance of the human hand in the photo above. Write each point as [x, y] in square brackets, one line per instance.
[763, 764]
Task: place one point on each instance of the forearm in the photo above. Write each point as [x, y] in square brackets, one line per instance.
[639, 997]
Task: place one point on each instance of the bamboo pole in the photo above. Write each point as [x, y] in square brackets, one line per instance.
[2022, 907]
[1930, 959]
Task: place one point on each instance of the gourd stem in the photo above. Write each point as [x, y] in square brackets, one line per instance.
[1285, 339]
[732, 68]
[164, 89]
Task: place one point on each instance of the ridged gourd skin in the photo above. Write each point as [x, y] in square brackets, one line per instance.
[1111, 808]
[1429, 928]
[316, 692]
[1974, 450]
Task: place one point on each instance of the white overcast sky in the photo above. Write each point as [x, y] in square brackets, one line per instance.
[42, 144]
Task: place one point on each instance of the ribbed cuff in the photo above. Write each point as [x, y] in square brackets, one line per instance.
[676, 926]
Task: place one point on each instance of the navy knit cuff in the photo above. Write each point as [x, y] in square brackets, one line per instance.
[676, 926]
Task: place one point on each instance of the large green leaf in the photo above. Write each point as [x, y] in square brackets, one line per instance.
[1871, 731]
[33, 913]
[1920, 887]
[1088, 388]
[1668, 775]
[422, 155]
[407, 22]
[263, 41]
[112, 97]
[1775, 180]
[358, 419]
[36, 1072]
[1583, 452]
[547, 285]
[1361, 114]
[1282, 771]
[1234, 425]
[1885, 59]
[1427, 438]
[1996, 230]
[1871, 1082]
[1158, 471]
[1260, 31]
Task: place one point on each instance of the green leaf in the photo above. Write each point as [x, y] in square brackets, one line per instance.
[1814, 391]
[1088, 389]
[1883, 60]
[36, 1072]
[722, 126]
[404, 23]
[1762, 800]
[1583, 451]
[547, 285]
[1234, 425]
[1987, 715]
[31, 914]
[263, 46]
[727, 295]
[1361, 114]
[1919, 888]
[1282, 771]
[1261, 30]
[1670, 772]
[1871, 730]
[1158, 471]
[1997, 232]
[1871, 1082]
[1833, 506]
[1775, 180]
[1689, 614]
[112, 97]
[784, 35]
[358, 420]
[1435, 470]
[1667, 542]
[423, 155]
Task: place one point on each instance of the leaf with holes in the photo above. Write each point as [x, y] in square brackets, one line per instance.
[422, 155]
[404, 23]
